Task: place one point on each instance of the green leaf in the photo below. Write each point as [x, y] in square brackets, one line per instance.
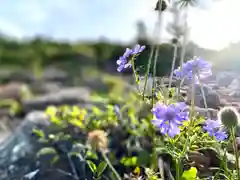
[39, 133]
[46, 150]
[91, 155]
[161, 150]
[92, 166]
[101, 167]
[129, 161]
[55, 159]
[77, 123]
[190, 174]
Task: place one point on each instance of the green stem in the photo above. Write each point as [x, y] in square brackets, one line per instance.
[157, 51]
[135, 72]
[178, 171]
[111, 166]
[154, 75]
[235, 151]
[173, 65]
[192, 98]
[191, 123]
[203, 95]
[148, 70]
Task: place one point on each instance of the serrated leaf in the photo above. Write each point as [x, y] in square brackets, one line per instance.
[92, 166]
[46, 150]
[101, 167]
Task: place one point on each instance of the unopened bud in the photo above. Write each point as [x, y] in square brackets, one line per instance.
[98, 140]
[229, 116]
[163, 7]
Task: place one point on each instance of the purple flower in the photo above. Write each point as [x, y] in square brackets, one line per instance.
[124, 61]
[138, 49]
[196, 65]
[168, 118]
[117, 111]
[214, 128]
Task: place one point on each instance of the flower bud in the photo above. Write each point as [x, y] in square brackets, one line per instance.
[163, 7]
[174, 41]
[98, 140]
[229, 116]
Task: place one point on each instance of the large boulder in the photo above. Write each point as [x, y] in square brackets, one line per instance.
[224, 79]
[66, 96]
[14, 91]
[53, 74]
[17, 150]
[212, 97]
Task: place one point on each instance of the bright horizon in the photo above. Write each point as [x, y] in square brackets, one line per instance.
[212, 28]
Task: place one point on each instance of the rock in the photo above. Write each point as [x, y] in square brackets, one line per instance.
[204, 112]
[212, 97]
[224, 79]
[207, 161]
[213, 100]
[235, 84]
[19, 159]
[67, 96]
[17, 151]
[14, 91]
[20, 77]
[46, 87]
[53, 74]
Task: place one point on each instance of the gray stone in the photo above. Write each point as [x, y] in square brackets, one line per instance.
[14, 91]
[212, 97]
[46, 87]
[18, 149]
[53, 74]
[224, 79]
[66, 96]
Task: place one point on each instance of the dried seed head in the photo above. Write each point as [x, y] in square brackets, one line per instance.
[229, 116]
[174, 41]
[98, 140]
[163, 7]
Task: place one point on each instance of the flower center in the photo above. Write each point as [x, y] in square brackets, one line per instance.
[170, 115]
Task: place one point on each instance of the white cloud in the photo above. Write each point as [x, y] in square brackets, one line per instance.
[217, 27]
[212, 28]
[11, 29]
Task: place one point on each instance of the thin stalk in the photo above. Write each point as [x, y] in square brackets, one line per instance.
[153, 134]
[203, 94]
[135, 73]
[191, 115]
[178, 171]
[235, 151]
[154, 75]
[148, 70]
[192, 97]
[157, 52]
[111, 166]
[173, 65]
[183, 51]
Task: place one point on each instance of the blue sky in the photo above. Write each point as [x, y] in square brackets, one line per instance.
[115, 19]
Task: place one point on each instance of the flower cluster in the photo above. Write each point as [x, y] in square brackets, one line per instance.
[168, 118]
[197, 66]
[125, 60]
[215, 128]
